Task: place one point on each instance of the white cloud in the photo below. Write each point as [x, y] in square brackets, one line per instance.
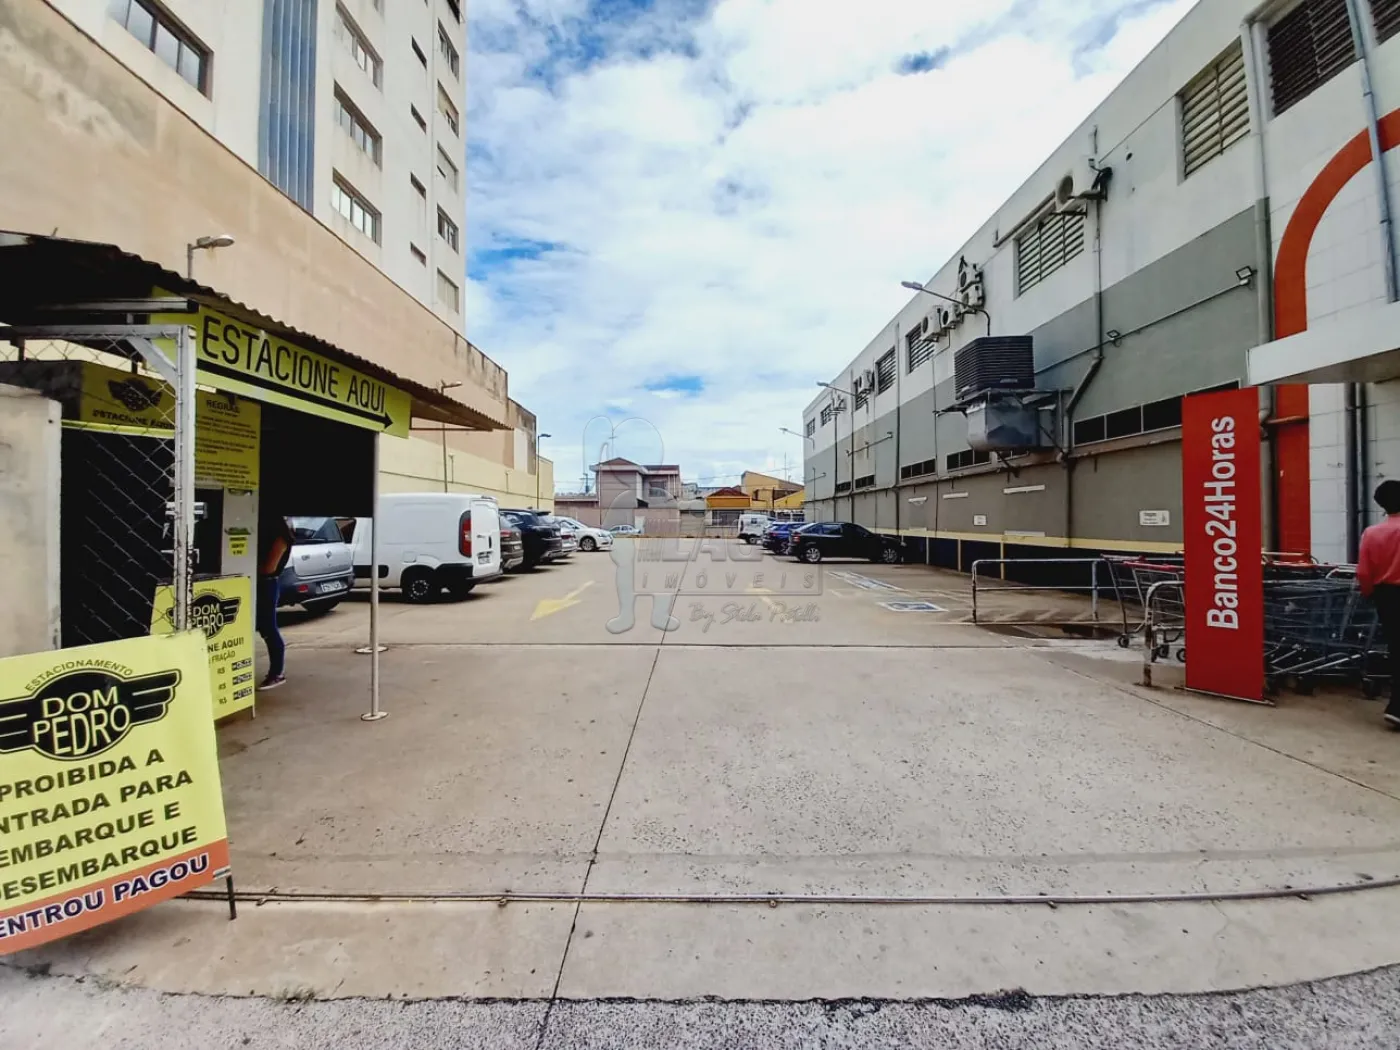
[736, 194]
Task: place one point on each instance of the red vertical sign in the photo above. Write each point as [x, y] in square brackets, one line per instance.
[1223, 533]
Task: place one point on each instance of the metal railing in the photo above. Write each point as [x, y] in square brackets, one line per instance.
[1098, 585]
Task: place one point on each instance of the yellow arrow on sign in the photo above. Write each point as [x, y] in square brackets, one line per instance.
[550, 606]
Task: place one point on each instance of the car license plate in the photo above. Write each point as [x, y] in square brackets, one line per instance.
[333, 586]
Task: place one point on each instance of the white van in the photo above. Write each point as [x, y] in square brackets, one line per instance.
[430, 542]
[752, 526]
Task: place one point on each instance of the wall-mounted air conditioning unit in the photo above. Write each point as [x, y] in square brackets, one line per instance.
[1085, 181]
[994, 363]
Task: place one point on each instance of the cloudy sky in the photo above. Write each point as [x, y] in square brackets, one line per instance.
[689, 211]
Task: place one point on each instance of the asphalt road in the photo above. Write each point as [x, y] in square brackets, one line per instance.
[59, 1013]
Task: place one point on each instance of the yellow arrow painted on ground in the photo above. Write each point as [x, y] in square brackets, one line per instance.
[550, 606]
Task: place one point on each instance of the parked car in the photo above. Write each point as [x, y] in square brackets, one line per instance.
[512, 546]
[320, 570]
[542, 540]
[430, 542]
[775, 537]
[625, 530]
[752, 527]
[568, 538]
[842, 539]
[589, 538]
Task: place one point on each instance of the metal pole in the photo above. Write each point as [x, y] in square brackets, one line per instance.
[537, 472]
[182, 509]
[1094, 583]
[374, 713]
[444, 456]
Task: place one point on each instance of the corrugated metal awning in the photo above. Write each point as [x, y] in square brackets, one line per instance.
[39, 274]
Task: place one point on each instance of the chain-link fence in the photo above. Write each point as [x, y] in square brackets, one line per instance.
[120, 511]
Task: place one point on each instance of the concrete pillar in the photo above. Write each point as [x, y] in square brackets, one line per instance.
[30, 435]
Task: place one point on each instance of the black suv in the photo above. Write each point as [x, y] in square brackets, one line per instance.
[542, 540]
[842, 539]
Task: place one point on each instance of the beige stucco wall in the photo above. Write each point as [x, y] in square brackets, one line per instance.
[106, 158]
[414, 464]
[30, 435]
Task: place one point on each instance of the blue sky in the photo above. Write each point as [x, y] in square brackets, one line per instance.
[683, 213]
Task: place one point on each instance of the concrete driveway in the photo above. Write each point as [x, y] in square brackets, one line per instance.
[800, 792]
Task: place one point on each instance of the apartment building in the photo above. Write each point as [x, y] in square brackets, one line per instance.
[1219, 220]
[357, 117]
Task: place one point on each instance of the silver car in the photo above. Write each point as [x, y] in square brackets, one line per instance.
[568, 535]
[321, 569]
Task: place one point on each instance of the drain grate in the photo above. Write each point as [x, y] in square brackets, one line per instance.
[910, 607]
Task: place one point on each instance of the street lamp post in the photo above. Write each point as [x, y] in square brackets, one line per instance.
[538, 439]
[224, 240]
[443, 386]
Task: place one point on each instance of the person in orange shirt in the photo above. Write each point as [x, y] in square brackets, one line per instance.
[1378, 576]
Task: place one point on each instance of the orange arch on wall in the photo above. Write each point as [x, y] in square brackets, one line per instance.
[1291, 439]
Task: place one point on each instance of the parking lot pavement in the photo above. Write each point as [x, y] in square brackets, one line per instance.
[637, 780]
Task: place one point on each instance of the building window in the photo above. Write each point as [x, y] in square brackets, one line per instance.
[862, 393]
[918, 347]
[448, 110]
[1214, 110]
[446, 168]
[355, 209]
[868, 481]
[968, 458]
[826, 414]
[448, 51]
[811, 427]
[1047, 246]
[422, 58]
[418, 118]
[918, 470]
[173, 45]
[1139, 419]
[456, 10]
[418, 255]
[884, 372]
[287, 106]
[447, 229]
[1308, 46]
[357, 127]
[420, 197]
[843, 487]
[354, 41]
[1386, 16]
[447, 292]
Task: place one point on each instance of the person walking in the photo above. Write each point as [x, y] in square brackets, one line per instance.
[1378, 576]
[274, 550]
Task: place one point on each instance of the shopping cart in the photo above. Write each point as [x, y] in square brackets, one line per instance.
[1317, 626]
[1157, 613]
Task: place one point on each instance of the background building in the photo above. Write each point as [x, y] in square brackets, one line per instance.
[1223, 196]
[626, 493]
[354, 112]
[768, 493]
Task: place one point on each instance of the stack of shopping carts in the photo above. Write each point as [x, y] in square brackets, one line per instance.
[1317, 626]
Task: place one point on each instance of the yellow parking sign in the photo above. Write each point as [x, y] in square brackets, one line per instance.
[222, 608]
[109, 784]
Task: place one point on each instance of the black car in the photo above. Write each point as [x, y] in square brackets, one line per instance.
[842, 539]
[512, 546]
[542, 539]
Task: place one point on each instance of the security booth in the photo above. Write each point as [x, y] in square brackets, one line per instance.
[184, 419]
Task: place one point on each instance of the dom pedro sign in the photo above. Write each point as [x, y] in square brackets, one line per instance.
[109, 784]
[1223, 534]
